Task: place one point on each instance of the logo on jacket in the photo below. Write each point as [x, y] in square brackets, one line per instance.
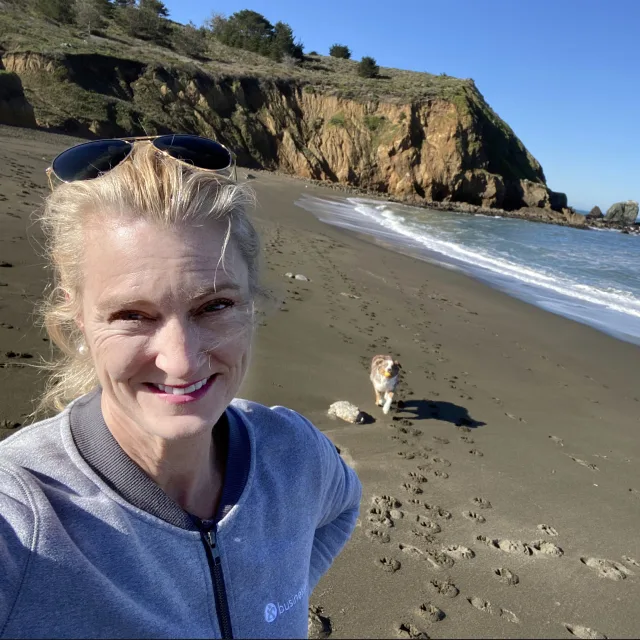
[274, 609]
[270, 612]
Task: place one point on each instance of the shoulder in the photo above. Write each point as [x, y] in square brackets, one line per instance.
[29, 445]
[280, 427]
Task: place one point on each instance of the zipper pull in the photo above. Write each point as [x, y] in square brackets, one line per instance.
[213, 543]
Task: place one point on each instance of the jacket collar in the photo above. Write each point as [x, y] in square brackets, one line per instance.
[104, 455]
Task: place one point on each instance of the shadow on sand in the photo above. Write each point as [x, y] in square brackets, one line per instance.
[437, 410]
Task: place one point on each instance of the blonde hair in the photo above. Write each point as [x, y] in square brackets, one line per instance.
[149, 186]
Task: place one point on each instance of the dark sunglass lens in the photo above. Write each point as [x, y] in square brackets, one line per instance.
[89, 160]
[200, 152]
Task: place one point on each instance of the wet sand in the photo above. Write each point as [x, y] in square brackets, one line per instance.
[502, 500]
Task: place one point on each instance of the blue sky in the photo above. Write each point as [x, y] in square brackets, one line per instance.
[565, 74]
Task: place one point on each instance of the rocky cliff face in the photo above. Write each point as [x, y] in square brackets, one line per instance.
[14, 108]
[448, 150]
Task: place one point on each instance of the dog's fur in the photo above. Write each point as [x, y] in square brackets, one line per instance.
[385, 374]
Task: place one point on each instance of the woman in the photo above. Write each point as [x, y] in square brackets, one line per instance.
[155, 504]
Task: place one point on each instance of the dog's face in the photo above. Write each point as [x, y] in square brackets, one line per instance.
[390, 368]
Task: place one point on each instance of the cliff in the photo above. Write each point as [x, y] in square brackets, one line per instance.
[452, 149]
[14, 108]
[413, 136]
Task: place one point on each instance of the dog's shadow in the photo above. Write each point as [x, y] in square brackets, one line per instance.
[437, 410]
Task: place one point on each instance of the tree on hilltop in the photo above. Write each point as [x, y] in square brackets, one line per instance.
[340, 51]
[368, 68]
[251, 31]
[190, 40]
[146, 20]
[91, 15]
[57, 10]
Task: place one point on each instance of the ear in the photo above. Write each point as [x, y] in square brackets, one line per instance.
[397, 364]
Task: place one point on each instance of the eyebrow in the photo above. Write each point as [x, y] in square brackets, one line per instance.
[199, 293]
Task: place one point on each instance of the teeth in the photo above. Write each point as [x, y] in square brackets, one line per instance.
[181, 391]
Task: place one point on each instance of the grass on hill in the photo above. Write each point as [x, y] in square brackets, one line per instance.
[22, 31]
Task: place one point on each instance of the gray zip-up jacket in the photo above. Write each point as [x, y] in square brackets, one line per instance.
[91, 547]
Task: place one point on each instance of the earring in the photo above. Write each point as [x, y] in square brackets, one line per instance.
[82, 349]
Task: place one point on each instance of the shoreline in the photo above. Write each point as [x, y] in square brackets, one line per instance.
[513, 418]
[530, 214]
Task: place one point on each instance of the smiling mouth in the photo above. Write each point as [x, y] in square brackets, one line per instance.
[181, 390]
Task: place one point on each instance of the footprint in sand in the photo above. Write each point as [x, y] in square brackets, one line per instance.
[319, 626]
[506, 576]
[508, 546]
[430, 612]
[475, 452]
[607, 568]
[407, 455]
[545, 528]
[585, 633]
[480, 604]
[410, 550]
[380, 517]
[439, 561]
[444, 588]
[538, 547]
[467, 439]
[418, 477]
[416, 502]
[486, 607]
[399, 439]
[474, 517]
[430, 525]
[438, 511]
[386, 502]
[459, 552]
[630, 560]
[426, 538]
[440, 440]
[407, 630]
[390, 565]
[583, 463]
[412, 488]
[377, 535]
[556, 440]
[442, 461]
[481, 503]
[542, 547]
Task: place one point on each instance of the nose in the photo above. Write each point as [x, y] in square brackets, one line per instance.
[177, 347]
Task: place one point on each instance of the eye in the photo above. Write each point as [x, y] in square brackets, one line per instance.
[215, 306]
[127, 316]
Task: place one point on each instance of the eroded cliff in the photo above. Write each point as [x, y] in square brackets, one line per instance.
[453, 149]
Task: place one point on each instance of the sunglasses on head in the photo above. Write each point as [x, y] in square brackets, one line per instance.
[89, 160]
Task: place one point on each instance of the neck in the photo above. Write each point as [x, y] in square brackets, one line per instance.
[189, 471]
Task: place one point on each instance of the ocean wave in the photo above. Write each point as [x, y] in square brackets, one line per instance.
[353, 213]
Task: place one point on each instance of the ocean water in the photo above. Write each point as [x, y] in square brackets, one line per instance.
[589, 276]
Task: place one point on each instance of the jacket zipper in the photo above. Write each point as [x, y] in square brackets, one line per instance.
[215, 567]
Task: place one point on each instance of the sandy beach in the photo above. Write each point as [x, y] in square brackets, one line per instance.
[502, 500]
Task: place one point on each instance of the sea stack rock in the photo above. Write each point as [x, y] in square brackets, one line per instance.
[622, 212]
[595, 213]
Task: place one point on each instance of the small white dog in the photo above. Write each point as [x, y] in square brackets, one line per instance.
[385, 373]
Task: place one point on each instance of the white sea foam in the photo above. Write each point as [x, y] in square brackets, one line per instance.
[379, 220]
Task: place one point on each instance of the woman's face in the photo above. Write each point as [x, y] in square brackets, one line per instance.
[168, 324]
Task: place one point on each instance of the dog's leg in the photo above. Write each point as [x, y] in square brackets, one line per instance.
[378, 398]
[388, 401]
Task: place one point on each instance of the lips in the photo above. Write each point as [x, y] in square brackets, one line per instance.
[180, 390]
